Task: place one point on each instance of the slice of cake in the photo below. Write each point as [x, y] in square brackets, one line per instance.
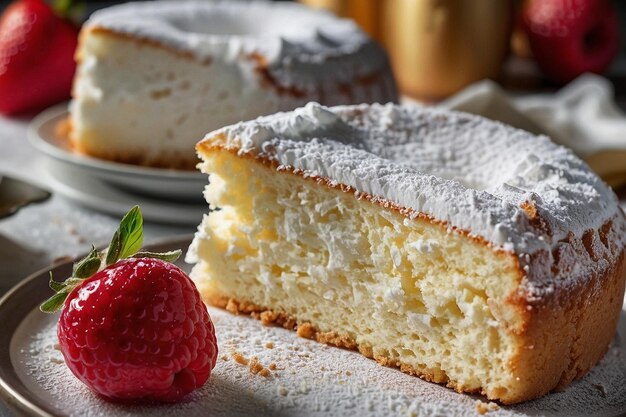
[458, 249]
[153, 77]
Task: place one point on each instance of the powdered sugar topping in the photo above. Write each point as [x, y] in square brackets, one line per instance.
[473, 173]
[295, 41]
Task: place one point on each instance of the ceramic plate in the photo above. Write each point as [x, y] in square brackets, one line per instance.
[97, 194]
[155, 182]
[309, 378]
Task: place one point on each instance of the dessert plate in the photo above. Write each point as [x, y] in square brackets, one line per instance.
[156, 182]
[97, 194]
[309, 379]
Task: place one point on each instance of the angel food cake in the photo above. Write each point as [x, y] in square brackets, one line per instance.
[458, 249]
[153, 77]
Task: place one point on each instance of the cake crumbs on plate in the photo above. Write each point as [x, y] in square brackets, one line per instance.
[306, 330]
[268, 317]
[272, 366]
[257, 368]
[232, 307]
[269, 345]
[600, 388]
[239, 358]
[483, 407]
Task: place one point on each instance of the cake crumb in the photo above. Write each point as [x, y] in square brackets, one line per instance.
[600, 388]
[269, 345]
[272, 366]
[255, 365]
[268, 317]
[348, 373]
[306, 330]
[257, 368]
[483, 407]
[232, 307]
[239, 358]
[282, 391]
[224, 357]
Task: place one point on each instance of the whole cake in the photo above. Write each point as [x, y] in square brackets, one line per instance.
[153, 77]
[458, 249]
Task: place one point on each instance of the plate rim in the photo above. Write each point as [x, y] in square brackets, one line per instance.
[11, 395]
[157, 211]
[48, 148]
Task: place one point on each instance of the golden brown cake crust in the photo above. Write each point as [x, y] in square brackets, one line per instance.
[65, 135]
[566, 337]
[175, 161]
[139, 41]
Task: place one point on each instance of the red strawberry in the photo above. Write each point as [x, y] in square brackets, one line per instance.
[36, 57]
[570, 37]
[136, 329]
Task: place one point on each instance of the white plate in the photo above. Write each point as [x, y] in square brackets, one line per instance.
[155, 182]
[311, 379]
[97, 194]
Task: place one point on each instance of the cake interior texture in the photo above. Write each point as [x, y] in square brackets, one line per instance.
[406, 292]
[142, 104]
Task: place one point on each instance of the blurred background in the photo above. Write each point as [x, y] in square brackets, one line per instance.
[554, 67]
[437, 47]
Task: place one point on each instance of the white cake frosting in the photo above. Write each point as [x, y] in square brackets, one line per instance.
[470, 172]
[295, 41]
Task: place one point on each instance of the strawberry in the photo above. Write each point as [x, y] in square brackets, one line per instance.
[133, 325]
[570, 37]
[36, 57]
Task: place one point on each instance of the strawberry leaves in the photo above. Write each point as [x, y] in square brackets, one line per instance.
[128, 238]
[126, 243]
[170, 256]
[87, 266]
[54, 303]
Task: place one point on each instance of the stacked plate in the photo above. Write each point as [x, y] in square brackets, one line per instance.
[164, 195]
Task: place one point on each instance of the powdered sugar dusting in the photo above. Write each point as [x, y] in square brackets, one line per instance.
[463, 169]
[310, 379]
[301, 45]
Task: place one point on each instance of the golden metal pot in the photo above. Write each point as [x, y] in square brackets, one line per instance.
[437, 47]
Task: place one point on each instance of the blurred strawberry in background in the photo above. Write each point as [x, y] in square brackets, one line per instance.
[37, 45]
[570, 37]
